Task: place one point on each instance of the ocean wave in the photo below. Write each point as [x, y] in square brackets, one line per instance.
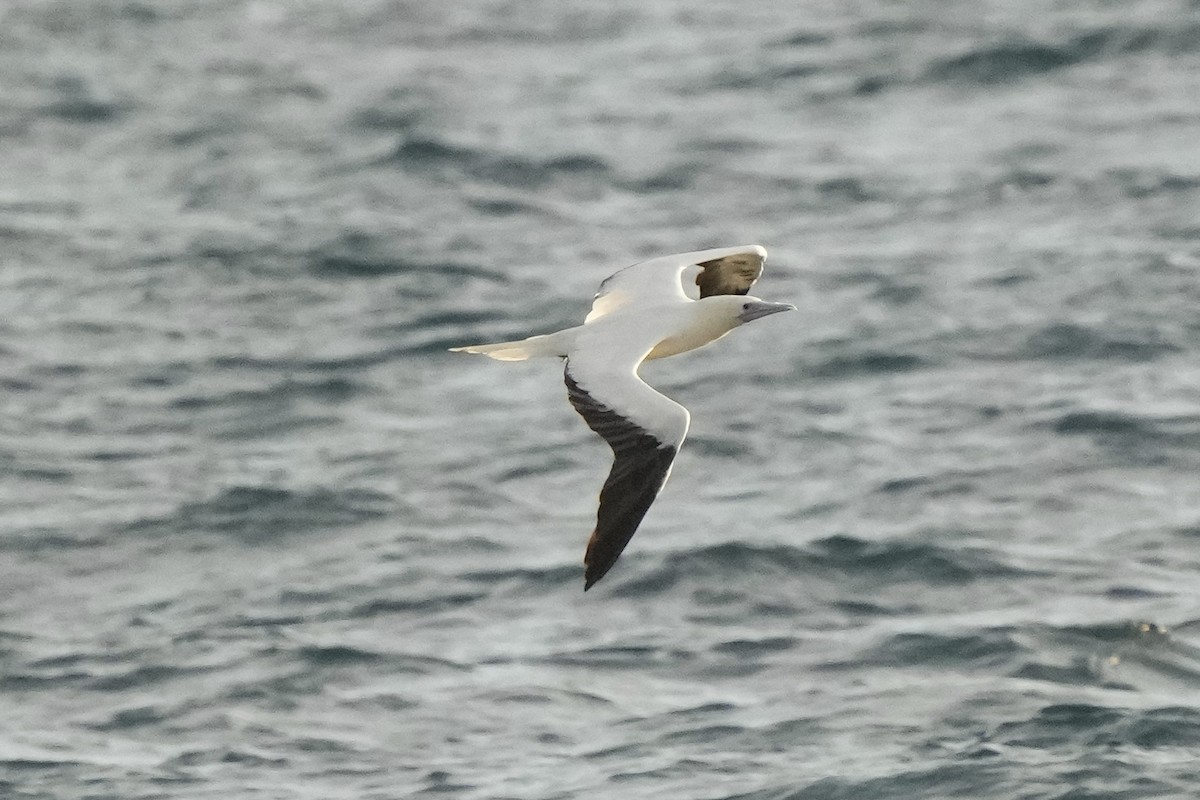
[1145, 183]
[938, 485]
[507, 207]
[1006, 62]
[989, 769]
[1143, 438]
[1110, 185]
[1020, 58]
[836, 558]
[135, 717]
[355, 254]
[78, 99]
[673, 178]
[903, 560]
[1075, 735]
[732, 446]
[892, 289]
[631, 657]
[365, 357]
[968, 779]
[333, 390]
[426, 603]
[980, 649]
[141, 675]
[337, 655]
[1023, 179]
[1138, 653]
[545, 24]
[402, 111]
[506, 169]
[260, 514]
[1106, 423]
[1067, 341]
[742, 78]
[870, 362]
[754, 648]
[1073, 656]
[1083, 725]
[224, 756]
[526, 578]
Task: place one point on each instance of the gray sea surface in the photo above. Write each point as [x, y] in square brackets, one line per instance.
[936, 535]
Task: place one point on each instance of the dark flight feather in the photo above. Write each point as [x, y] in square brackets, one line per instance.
[640, 467]
[729, 275]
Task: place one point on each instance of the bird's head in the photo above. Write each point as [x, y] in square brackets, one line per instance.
[748, 309]
[719, 314]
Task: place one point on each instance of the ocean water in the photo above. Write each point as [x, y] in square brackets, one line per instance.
[936, 535]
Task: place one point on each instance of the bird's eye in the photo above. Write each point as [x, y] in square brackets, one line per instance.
[745, 306]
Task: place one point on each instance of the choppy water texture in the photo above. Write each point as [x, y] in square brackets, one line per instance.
[936, 535]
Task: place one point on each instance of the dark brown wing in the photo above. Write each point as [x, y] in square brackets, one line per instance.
[640, 467]
[729, 275]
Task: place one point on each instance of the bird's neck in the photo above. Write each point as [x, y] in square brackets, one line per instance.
[696, 328]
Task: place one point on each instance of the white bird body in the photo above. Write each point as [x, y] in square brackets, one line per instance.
[653, 309]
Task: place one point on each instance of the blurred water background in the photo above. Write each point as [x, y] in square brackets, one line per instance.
[936, 535]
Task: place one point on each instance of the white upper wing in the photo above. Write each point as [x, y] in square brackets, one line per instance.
[679, 278]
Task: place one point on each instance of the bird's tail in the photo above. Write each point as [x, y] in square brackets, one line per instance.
[550, 344]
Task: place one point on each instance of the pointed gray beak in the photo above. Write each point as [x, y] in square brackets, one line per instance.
[758, 309]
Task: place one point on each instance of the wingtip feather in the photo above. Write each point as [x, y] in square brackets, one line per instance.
[589, 568]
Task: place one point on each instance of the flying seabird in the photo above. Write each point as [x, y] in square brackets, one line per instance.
[654, 309]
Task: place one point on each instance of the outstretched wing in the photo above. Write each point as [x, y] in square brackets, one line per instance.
[644, 429]
[679, 278]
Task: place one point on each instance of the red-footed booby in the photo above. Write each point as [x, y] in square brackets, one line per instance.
[653, 309]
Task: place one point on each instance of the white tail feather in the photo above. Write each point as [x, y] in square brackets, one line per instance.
[550, 344]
